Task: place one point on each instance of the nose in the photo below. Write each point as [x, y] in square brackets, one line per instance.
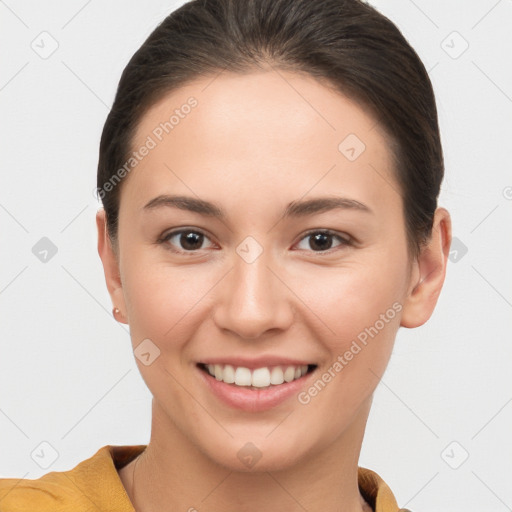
[253, 299]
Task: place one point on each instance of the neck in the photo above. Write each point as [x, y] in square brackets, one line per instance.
[173, 474]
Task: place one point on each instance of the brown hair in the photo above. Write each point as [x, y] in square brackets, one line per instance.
[345, 43]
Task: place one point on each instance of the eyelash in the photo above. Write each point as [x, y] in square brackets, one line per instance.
[348, 241]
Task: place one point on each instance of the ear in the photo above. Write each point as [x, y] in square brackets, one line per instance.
[429, 271]
[110, 262]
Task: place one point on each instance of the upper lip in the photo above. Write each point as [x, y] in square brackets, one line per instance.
[258, 362]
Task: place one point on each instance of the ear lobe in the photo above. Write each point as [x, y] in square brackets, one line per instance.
[431, 267]
[110, 263]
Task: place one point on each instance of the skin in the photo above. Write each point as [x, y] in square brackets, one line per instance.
[253, 144]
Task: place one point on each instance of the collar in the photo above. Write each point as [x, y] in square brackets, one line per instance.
[98, 478]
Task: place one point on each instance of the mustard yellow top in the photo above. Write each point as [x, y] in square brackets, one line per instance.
[94, 484]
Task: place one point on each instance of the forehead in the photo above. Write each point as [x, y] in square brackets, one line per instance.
[273, 132]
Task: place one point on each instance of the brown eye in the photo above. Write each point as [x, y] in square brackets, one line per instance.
[185, 240]
[322, 241]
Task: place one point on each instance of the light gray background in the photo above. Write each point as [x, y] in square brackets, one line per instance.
[67, 373]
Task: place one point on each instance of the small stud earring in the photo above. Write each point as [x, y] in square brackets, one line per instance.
[115, 312]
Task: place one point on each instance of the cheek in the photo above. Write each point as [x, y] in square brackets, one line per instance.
[360, 313]
[163, 300]
[348, 300]
[165, 305]
[355, 314]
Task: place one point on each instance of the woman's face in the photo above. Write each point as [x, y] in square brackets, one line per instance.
[254, 278]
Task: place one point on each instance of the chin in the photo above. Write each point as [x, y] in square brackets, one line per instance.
[246, 456]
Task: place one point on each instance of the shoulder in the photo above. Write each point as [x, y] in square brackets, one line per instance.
[53, 491]
[92, 484]
[376, 492]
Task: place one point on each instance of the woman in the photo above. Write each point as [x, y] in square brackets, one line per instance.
[269, 174]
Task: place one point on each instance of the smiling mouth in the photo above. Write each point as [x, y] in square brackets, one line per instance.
[259, 378]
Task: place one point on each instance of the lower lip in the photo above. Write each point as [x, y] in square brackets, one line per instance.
[254, 400]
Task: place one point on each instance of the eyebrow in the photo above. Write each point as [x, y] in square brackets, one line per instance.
[294, 209]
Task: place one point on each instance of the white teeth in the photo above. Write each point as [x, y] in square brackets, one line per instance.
[228, 375]
[276, 376]
[242, 376]
[259, 377]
